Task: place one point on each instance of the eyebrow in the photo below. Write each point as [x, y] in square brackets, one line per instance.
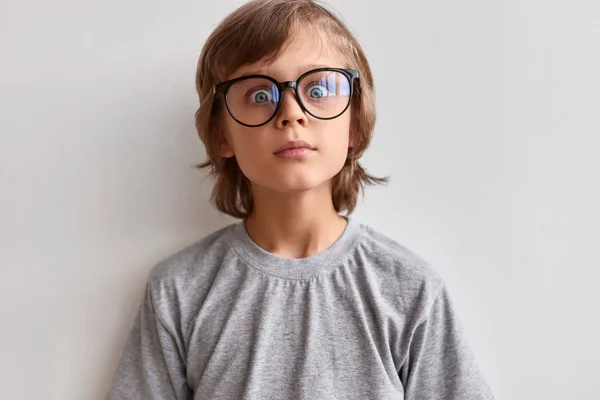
[270, 72]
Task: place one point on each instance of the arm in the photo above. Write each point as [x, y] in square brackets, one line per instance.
[152, 366]
[440, 364]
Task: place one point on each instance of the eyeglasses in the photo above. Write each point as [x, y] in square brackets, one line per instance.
[254, 100]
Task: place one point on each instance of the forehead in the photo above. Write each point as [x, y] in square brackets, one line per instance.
[305, 50]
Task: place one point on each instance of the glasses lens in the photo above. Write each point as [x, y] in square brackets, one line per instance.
[252, 101]
[325, 94]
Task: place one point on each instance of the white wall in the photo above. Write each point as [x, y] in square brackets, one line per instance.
[488, 125]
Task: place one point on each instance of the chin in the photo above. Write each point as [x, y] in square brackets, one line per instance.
[295, 184]
[295, 187]
[290, 180]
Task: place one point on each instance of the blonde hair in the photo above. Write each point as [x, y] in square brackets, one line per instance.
[260, 30]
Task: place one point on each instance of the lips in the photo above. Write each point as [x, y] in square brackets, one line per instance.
[295, 149]
[293, 145]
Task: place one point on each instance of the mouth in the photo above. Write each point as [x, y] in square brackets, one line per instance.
[294, 153]
[295, 149]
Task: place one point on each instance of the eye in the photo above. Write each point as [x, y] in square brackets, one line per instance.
[317, 91]
[261, 96]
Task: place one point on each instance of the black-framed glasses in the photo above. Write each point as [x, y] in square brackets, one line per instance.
[253, 100]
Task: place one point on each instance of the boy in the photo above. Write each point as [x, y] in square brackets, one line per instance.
[295, 301]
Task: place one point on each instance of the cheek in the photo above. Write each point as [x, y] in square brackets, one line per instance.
[334, 142]
[249, 148]
[337, 135]
[237, 136]
[249, 151]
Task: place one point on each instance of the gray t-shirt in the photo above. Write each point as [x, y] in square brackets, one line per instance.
[364, 319]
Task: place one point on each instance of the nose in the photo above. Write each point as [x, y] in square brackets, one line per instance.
[290, 112]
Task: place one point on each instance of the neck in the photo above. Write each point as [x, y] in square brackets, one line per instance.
[294, 225]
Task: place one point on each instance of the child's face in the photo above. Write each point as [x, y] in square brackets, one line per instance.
[255, 147]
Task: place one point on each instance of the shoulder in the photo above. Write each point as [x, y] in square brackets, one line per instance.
[395, 257]
[191, 266]
[402, 273]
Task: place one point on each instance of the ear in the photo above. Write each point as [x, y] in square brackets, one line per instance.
[227, 150]
[351, 141]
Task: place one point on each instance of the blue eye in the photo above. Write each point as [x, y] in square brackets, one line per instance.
[317, 91]
[261, 96]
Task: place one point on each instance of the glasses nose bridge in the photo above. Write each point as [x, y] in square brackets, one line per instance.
[291, 85]
[287, 84]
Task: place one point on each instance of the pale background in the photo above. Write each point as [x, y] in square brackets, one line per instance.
[488, 124]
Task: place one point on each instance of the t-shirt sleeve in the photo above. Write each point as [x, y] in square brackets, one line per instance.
[440, 364]
[151, 366]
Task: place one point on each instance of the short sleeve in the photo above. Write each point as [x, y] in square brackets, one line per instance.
[151, 366]
[440, 364]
